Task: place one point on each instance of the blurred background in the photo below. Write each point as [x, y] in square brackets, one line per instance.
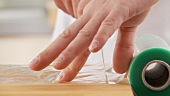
[26, 27]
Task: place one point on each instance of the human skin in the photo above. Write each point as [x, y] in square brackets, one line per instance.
[72, 7]
[96, 22]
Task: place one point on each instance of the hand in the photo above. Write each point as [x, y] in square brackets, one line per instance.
[72, 7]
[89, 33]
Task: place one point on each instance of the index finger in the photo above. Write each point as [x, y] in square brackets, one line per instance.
[57, 46]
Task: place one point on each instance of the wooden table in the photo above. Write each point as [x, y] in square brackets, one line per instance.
[66, 89]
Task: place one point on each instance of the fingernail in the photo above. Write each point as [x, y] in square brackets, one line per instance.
[59, 77]
[35, 61]
[94, 45]
[60, 59]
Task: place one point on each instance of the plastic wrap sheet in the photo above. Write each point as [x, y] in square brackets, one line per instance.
[16, 74]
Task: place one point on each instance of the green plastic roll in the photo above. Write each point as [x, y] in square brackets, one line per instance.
[154, 81]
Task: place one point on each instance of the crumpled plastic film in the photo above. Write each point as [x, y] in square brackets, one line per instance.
[90, 73]
[19, 74]
[16, 74]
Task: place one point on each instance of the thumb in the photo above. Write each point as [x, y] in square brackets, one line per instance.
[125, 42]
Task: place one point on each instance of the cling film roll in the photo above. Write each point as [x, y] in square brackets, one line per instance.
[155, 82]
[149, 73]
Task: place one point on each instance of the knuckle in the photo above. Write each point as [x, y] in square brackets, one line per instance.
[68, 53]
[122, 4]
[69, 50]
[106, 34]
[109, 22]
[85, 33]
[66, 33]
[129, 30]
[45, 54]
[127, 8]
[125, 46]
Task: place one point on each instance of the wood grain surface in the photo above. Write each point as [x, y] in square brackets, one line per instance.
[66, 89]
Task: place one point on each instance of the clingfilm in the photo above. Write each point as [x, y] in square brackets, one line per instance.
[17, 74]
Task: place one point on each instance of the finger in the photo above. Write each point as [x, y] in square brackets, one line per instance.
[75, 5]
[108, 27]
[124, 48]
[81, 42]
[81, 7]
[112, 23]
[57, 46]
[72, 70]
[60, 5]
[68, 6]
